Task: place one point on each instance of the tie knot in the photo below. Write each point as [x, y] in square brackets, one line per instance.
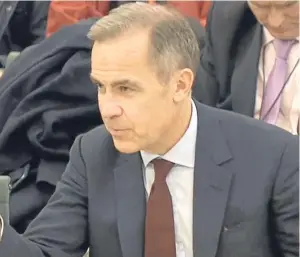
[161, 169]
[283, 48]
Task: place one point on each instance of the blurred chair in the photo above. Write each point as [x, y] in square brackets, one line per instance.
[87, 254]
[11, 57]
[4, 197]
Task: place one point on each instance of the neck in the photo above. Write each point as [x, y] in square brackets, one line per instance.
[180, 124]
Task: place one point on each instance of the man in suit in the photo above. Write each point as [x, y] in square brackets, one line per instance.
[250, 64]
[165, 176]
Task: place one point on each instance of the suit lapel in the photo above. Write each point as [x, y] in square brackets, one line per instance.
[244, 78]
[211, 183]
[131, 201]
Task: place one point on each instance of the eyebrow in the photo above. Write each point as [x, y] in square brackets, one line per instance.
[286, 3]
[290, 2]
[95, 81]
[121, 82]
[260, 3]
[124, 82]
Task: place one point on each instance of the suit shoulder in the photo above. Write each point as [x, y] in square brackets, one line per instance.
[96, 138]
[96, 143]
[257, 143]
[250, 127]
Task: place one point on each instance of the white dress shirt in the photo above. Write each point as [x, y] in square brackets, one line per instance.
[289, 113]
[180, 182]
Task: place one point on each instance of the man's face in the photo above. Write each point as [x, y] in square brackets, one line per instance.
[281, 18]
[136, 108]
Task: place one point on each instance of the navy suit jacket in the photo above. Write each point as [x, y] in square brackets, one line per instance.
[245, 196]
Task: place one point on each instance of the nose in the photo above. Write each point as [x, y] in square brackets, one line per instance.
[110, 109]
[275, 17]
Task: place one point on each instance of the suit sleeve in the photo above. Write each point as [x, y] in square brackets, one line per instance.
[206, 87]
[286, 201]
[60, 230]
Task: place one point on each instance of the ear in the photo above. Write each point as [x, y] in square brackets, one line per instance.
[183, 82]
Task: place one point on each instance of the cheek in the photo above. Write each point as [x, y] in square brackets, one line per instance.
[261, 14]
[262, 17]
[148, 118]
[293, 16]
[139, 116]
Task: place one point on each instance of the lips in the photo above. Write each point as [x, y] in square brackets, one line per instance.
[116, 129]
[117, 132]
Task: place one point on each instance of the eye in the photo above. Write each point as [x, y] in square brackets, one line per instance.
[124, 89]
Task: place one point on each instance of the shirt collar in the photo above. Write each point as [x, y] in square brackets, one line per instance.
[267, 37]
[183, 153]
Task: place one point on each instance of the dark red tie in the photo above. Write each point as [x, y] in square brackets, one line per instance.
[159, 232]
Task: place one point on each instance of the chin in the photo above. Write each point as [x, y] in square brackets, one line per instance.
[126, 146]
[284, 36]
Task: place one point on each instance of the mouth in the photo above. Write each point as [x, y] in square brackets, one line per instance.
[117, 132]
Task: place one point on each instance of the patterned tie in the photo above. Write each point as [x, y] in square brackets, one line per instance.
[273, 91]
[160, 232]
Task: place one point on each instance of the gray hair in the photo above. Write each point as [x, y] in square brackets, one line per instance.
[173, 44]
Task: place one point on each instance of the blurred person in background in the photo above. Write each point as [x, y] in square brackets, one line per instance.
[23, 23]
[63, 13]
[250, 64]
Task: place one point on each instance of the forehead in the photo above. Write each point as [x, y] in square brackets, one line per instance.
[129, 49]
